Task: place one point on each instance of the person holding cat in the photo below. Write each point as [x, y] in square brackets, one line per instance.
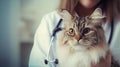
[87, 38]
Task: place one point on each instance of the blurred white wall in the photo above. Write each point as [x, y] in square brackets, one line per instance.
[12, 27]
[9, 22]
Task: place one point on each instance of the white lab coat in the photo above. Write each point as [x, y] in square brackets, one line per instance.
[44, 32]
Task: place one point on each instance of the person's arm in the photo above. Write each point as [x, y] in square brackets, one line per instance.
[41, 44]
[114, 63]
[104, 62]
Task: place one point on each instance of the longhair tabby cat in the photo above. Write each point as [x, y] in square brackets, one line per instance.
[81, 41]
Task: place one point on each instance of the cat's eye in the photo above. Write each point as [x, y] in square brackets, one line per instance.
[86, 30]
[71, 32]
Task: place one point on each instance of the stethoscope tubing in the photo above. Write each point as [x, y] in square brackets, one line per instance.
[111, 32]
[48, 59]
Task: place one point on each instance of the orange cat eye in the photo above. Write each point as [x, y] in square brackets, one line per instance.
[71, 32]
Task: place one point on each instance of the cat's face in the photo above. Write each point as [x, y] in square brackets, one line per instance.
[84, 32]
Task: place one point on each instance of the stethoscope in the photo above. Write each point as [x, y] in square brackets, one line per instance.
[54, 61]
[111, 32]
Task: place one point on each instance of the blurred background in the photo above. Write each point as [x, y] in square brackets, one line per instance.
[19, 20]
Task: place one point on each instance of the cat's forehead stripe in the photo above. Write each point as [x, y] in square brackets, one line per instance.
[81, 22]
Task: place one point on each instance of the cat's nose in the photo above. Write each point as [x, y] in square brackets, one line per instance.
[78, 37]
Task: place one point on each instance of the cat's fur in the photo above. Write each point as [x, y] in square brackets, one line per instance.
[82, 41]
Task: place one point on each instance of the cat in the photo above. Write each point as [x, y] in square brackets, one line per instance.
[82, 40]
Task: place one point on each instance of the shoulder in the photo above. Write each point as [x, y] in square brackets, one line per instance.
[49, 21]
[52, 16]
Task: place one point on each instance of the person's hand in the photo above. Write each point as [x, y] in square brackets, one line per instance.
[104, 62]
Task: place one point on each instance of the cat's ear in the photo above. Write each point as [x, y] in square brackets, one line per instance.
[97, 14]
[67, 18]
[65, 15]
[97, 17]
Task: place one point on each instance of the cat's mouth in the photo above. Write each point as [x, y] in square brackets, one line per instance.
[80, 45]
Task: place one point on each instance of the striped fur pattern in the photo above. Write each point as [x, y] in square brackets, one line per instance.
[82, 40]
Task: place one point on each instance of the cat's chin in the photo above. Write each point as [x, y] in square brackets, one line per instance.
[80, 47]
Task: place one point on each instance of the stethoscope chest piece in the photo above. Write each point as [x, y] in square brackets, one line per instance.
[46, 61]
[55, 61]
